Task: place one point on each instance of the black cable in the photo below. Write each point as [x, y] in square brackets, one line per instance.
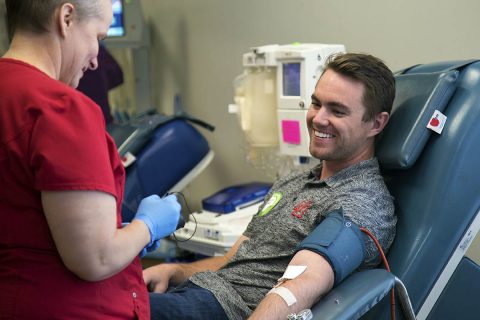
[189, 213]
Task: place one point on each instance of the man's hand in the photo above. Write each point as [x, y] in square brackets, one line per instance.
[157, 278]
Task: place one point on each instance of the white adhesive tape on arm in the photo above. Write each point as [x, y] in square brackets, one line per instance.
[285, 293]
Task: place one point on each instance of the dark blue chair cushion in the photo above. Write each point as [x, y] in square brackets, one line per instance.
[417, 97]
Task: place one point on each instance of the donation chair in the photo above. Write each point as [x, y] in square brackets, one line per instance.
[435, 179]
[161, 154]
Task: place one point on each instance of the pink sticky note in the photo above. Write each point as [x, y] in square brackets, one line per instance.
[291, 131]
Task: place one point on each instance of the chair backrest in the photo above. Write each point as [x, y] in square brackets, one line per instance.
[435, 178]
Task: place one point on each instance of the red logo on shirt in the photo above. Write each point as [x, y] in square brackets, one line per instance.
[301, 208]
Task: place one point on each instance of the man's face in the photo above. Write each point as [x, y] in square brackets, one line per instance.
[81, 45]
[337, 132]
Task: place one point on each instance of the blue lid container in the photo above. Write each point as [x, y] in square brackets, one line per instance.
[228, 199]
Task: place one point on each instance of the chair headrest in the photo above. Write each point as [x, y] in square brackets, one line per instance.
[418, 95]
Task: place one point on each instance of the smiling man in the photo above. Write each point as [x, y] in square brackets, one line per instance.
[347, 112]
[310, 220]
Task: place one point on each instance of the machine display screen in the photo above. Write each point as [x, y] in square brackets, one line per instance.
[291, 79]
[117, 29]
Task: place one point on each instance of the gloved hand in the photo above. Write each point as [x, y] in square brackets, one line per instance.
[149, 248]
[160, 215]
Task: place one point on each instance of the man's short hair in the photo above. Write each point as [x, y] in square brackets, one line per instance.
[36, 15]
[376, 77]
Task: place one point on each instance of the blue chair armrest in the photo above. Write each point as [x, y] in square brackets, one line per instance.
[355, 295]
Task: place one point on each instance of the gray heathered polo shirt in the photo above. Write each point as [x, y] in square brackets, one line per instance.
[303, 201]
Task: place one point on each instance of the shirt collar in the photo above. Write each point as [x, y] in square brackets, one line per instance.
[355, 169]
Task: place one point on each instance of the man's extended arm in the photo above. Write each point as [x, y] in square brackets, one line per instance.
[337, 239]
[307, 288]
[159, 277]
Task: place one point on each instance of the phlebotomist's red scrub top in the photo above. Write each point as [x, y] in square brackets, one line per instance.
[52, 137]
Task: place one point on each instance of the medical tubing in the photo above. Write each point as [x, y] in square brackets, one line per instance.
[385, 262]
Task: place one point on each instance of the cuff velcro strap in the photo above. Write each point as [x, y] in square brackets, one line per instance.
[286, 295]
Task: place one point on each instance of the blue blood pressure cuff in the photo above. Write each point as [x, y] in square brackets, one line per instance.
[339, 241]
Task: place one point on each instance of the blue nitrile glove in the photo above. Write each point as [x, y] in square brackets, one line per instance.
[154, 246]
[160, 215]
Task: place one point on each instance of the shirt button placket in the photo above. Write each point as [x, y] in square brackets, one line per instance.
[136, 307]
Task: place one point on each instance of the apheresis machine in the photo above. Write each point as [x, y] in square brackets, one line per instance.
[272, 97]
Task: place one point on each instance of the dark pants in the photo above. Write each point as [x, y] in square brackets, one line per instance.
[187, 301]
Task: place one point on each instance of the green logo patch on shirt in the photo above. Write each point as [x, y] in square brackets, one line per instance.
[271, 203]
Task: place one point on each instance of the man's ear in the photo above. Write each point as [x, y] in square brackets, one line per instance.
[378, 123]
[65, 18]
